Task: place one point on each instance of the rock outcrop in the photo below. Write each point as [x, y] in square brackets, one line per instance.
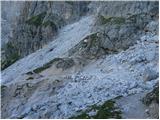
[152, 100]
[124, 22]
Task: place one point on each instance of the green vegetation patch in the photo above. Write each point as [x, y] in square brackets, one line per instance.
[49, 23]
[61, 63]
[30, 78]
[118, 20]
[49, 64]
[37, 19]
[45, 66]
[104, 111]
[111, 20]
[3, 87]
[11, 57]
[70, 2]
[83, 115]
[29, 73]
[105, 19]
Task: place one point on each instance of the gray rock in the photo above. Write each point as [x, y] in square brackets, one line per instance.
[124, 22]
[65, 63]
[149, 74]
[151, 99]
[152, 27]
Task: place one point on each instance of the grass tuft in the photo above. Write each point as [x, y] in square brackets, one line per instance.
[12, 56]
[36, 20]
[111, 20]
[104, 111]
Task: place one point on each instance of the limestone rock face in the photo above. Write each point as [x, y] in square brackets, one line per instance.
[118, 27]
[124, 23]
[37, 24]
[10, 12]
[124, 9]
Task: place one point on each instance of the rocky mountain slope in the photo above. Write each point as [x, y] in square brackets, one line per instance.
[103, 64]
[37, 23]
